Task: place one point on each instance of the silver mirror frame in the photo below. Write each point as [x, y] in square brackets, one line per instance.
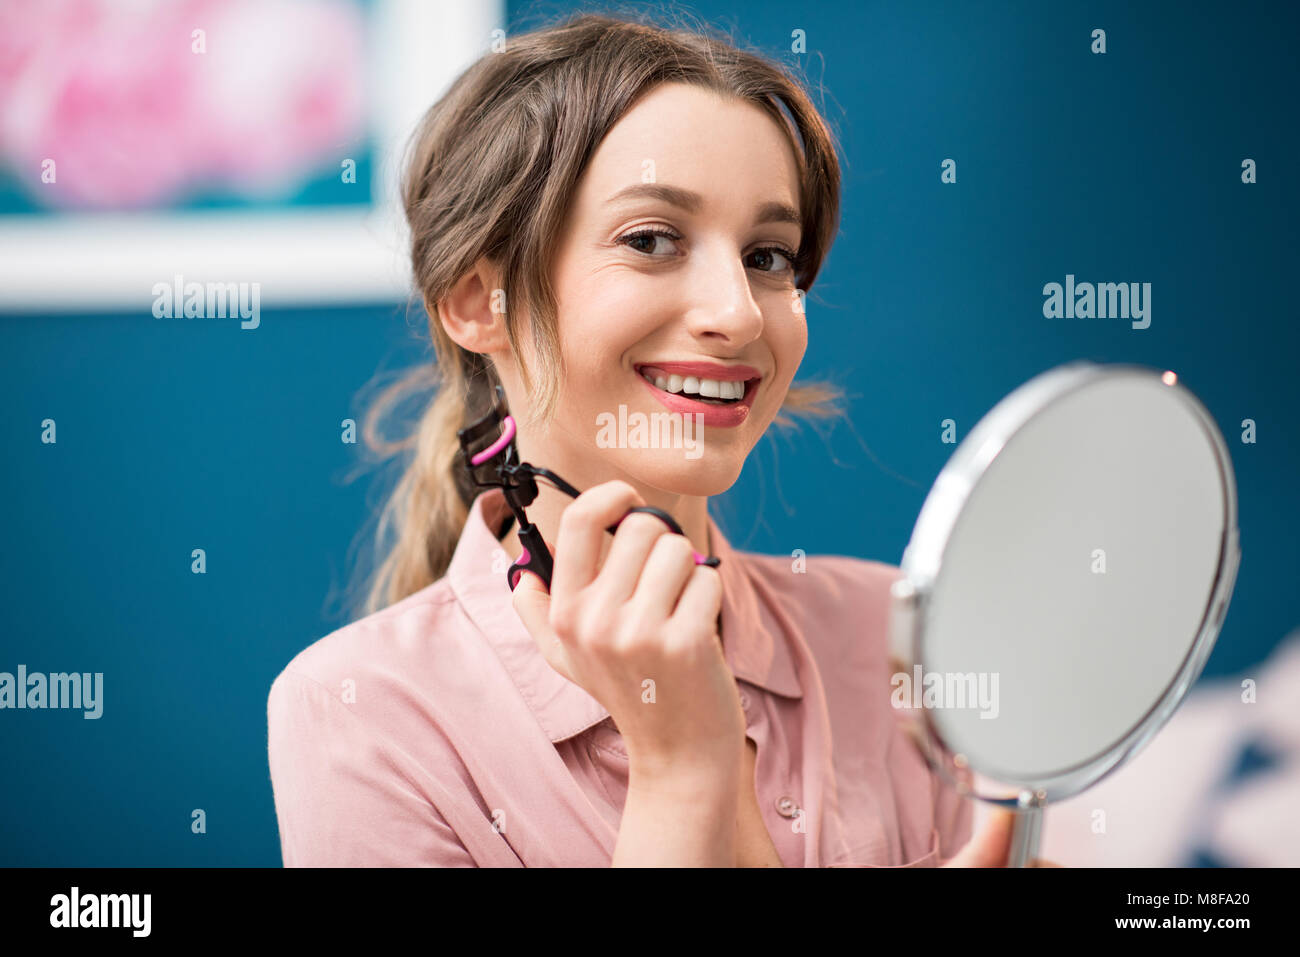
[923, 557]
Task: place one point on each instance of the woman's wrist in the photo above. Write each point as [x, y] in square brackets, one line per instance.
[687, 775]
[679, 815]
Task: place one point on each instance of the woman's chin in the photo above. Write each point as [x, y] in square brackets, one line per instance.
[672, 471]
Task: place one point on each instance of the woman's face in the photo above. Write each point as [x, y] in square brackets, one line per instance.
[716, 287]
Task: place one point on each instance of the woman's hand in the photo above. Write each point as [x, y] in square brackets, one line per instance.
[639, 634]
[991, 846]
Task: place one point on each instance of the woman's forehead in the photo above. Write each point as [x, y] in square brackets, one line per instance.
[693, 140]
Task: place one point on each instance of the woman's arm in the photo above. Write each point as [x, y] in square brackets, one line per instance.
[338, 801]
[754, 847]
[678, 817]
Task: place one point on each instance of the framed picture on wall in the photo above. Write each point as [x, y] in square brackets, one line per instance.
[145, 141]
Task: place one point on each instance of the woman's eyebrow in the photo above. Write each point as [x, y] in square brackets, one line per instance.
[693, 202]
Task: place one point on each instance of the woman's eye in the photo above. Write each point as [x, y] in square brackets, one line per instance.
[767, 252]
[645, 240]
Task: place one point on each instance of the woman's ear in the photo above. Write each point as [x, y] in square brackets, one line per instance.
[473, 313]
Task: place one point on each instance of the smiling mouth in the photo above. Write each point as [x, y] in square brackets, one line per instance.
[700, 389]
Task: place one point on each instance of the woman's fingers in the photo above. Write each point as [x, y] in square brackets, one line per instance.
[666, 573]
[991, 846]
[635, 538]
[700, 600]
[582, 531]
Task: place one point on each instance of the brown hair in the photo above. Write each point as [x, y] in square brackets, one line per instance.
[490, 172]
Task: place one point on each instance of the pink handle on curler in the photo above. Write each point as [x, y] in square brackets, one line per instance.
[507, 433]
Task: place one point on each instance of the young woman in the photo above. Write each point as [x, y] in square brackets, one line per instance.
[611, 218]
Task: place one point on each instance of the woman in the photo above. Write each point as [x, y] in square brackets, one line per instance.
[611, 219]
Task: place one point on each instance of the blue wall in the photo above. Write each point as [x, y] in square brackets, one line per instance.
[175, 434]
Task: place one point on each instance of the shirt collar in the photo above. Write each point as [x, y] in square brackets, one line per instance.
[753, 646]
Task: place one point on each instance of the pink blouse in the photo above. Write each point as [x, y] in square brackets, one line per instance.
[434, 733]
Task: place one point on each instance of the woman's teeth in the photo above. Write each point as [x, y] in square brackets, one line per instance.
[699, 388]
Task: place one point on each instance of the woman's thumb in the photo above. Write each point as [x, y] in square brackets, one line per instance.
[991, 845]
[533, 606]
[532, 602]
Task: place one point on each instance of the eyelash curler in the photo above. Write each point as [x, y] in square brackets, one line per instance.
[492, 461]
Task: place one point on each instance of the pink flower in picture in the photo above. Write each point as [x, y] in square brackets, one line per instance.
[115, 93]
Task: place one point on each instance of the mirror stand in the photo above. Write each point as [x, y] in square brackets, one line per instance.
[1028, 829]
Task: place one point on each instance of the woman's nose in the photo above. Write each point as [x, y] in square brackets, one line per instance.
[724, 306]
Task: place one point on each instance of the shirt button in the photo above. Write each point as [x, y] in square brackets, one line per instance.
[744, 700]
[786, 807]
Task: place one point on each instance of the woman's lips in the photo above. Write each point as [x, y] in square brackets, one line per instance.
[719, 416]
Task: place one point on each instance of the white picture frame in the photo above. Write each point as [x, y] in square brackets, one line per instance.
[108, 262]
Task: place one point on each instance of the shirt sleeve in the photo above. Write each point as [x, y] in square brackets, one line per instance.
[341, 799]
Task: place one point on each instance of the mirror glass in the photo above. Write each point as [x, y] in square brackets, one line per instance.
[1067, 563]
